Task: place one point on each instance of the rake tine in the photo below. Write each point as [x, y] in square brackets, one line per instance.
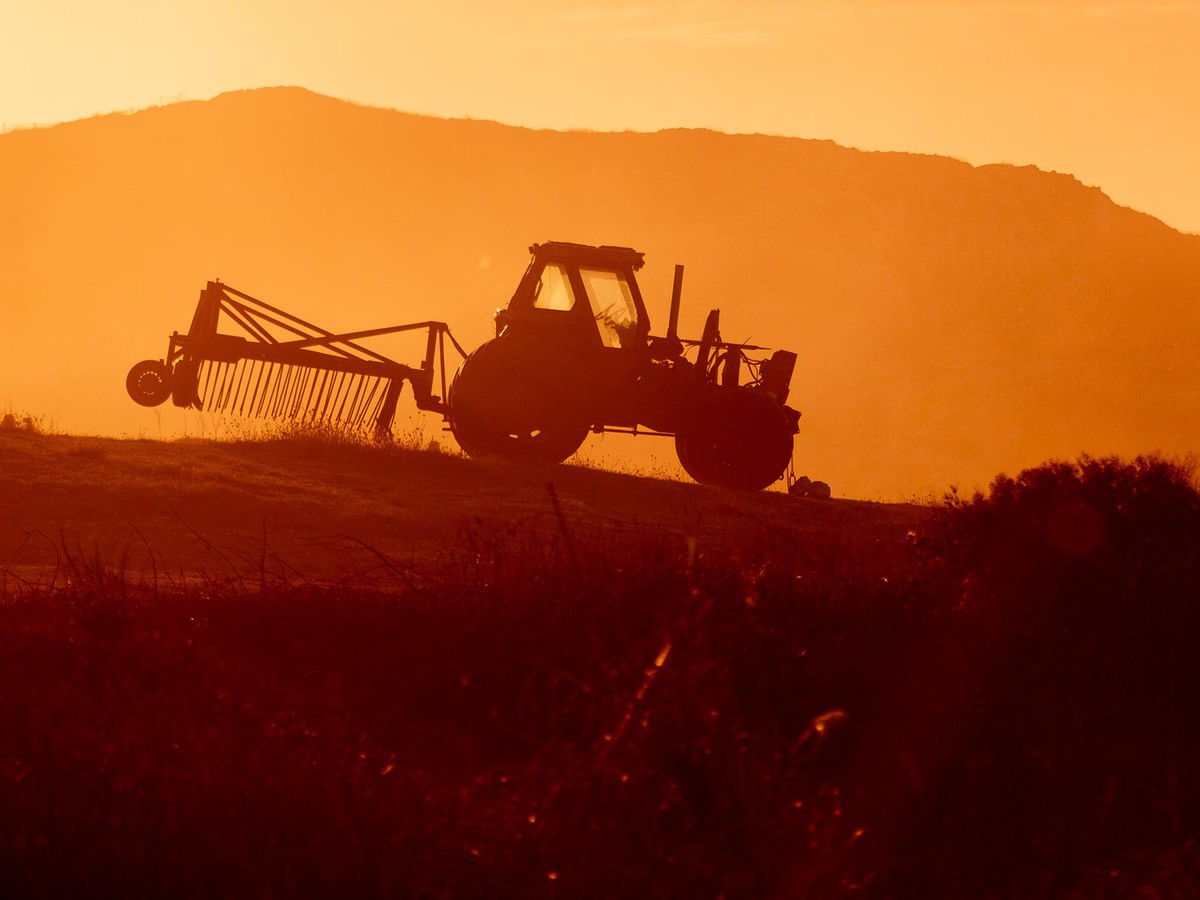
[347, 390]
[257, 385]
[314, 394]
[360, 400]
[373, 414]
[279, 410]
[301, 394]
[249, 367]
[255, 396]
[367, 402]
[322, 396]
[266, 390]
[221, 387]
[331, 405]
[229, 387]
[239, 375]
[355, 385]
[335, 383]
[203, 392]
[239, 396]
[310, 390]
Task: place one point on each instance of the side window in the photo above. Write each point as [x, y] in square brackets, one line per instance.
[612, 305]
[553, 291]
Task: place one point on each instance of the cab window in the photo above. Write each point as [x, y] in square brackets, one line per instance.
[612, 305]
[553, 290]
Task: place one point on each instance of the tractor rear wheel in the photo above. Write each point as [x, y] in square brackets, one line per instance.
[149, 382]
[507, 400]
[738, 439]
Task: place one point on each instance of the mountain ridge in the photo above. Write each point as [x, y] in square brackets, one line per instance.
[309, 93]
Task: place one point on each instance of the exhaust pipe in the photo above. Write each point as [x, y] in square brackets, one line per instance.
[676, 295]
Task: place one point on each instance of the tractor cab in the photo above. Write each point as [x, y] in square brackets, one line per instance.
[580, 295]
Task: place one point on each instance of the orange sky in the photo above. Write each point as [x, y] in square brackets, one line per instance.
[1105, 89]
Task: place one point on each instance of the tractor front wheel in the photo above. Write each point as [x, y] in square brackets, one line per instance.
[508, 402]
[149, 382]
[738, 439]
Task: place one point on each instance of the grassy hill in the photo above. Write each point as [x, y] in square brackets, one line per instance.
[291, 668]
[306, 510]
[952, 321]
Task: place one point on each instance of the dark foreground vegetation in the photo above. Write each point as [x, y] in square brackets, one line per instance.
[1013, 713]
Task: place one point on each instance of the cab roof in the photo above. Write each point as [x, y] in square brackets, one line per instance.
[586, 255]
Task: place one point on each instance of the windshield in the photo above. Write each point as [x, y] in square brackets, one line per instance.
[612, 305]
[553, 291]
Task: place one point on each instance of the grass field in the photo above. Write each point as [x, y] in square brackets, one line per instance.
[565, 683]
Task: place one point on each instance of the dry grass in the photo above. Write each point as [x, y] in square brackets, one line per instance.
[316, 499]
[21, 421]
[557, 715]
[545, 706]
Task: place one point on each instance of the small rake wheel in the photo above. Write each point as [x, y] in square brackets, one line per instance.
[149, 382]
[739, 439]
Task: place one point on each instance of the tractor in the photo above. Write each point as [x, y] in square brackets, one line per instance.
[573, 354]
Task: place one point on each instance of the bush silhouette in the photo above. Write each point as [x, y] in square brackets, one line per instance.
[1085, 566]
[1070, 596]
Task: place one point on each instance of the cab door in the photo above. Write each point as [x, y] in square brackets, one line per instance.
[620, 328]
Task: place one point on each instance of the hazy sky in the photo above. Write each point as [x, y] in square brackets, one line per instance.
[1108, 90]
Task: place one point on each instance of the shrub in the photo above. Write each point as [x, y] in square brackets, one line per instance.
[1066, 673]
[1089, 571]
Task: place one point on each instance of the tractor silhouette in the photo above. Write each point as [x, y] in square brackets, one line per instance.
[572, 354]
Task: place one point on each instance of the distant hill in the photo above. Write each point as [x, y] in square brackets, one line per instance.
[952, 321]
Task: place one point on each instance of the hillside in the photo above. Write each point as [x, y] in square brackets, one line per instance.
[952, 321]
[304, 511]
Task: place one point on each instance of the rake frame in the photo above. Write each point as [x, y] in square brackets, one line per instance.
[315, 364]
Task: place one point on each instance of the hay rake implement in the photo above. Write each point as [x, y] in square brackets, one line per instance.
[282, 367]
[573, 355]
